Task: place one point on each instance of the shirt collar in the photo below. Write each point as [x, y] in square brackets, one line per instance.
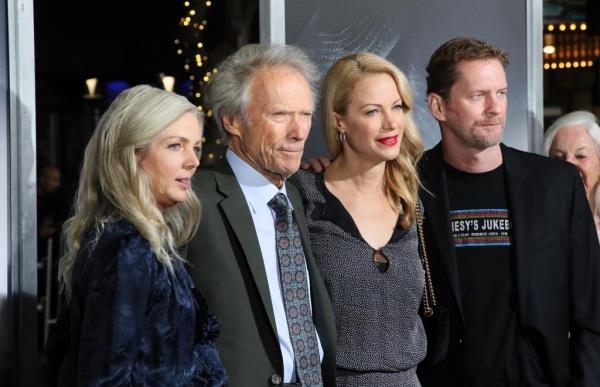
[257, 189]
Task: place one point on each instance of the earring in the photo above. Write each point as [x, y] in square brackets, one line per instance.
[340, 136]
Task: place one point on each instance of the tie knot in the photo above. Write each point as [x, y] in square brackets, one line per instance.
[279, 203]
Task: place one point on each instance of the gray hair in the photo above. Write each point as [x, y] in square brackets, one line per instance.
[590, 123]
[576, 118]
[229, 89]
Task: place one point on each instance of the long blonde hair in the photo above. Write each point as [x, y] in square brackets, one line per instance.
[113, 186]
[401, 181]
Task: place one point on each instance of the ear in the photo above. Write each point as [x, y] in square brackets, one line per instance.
[140, 155]
[437, 106]
[233, 125]
[337, 120]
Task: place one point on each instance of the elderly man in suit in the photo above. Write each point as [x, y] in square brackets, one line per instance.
[513, 250]
[251, 256]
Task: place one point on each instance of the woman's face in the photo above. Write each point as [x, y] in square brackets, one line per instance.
[171, 160]
[574, 144]
[374, 119]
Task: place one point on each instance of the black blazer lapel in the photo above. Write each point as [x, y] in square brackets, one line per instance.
[521, 196]
[435, 201]
[235, 208]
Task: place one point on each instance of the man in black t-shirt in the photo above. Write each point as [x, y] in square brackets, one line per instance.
[512, 245]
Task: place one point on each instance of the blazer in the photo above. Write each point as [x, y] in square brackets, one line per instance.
[227, 268]
[557, 264]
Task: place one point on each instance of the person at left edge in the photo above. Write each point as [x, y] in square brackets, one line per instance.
[262, 96]
[133, 313]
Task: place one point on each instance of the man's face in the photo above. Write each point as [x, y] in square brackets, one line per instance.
[278, 118]
[473, 114]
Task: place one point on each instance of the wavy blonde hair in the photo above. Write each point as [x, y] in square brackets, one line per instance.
[113, 185]
[401, 181]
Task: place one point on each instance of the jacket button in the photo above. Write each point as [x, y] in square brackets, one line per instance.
[275, 380]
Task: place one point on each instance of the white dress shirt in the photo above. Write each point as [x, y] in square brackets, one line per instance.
[258, 191]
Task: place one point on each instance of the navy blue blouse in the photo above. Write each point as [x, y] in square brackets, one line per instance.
[133, 323]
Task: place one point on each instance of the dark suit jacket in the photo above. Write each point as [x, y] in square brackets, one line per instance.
[557, 260]
[227, 267]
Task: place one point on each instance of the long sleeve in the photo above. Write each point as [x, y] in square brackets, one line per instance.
[114, 312]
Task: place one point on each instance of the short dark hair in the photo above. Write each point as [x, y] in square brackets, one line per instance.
[441, 70]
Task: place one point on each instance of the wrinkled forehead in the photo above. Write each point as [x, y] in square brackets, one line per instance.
[481, 72]
[278, 84]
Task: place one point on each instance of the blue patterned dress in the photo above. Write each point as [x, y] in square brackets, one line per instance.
[132, 323]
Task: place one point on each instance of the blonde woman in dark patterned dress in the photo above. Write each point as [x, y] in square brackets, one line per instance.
[361, 216]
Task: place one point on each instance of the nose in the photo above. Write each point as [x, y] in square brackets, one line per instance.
[494, 105]
[392, 120]
[569, 158]
[299, 127]
[191, 159]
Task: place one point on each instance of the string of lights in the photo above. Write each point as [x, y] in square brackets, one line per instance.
[192, 48]
[568, 45]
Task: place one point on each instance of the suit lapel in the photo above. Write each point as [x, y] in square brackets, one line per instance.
[235, 208]
[522, 209]
[437, 215]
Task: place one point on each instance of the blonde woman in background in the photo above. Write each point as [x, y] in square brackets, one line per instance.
[134, 317]
[575, 137]
[361, 215]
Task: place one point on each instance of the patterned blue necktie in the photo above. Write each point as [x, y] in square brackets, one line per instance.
[292, 270]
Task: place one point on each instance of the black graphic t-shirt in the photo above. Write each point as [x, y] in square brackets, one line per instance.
[483, 240]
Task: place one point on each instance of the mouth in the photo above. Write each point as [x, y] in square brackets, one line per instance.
[184, 182]
[389, 141]
[491, 124]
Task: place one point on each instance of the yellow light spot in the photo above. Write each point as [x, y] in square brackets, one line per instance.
[197, 56]
[197, 95]
[583, 63]
[218, 141]
[215, 70]
[583, 26]
[575, 65]
[208, 3]
[590, 63]
[211, 155]
[553, 65]
[209, 113]
[200, 45]
[187, 3]
[551, 27]
[187, 67]
[199, 64]
[201, 27]
[561, 65]
[572, 26]
[568, 65]
[203, 138]
[562, 27]
[192, 77]
[546, 66]
[204, 57]
[179, 51]
[200, 107]
[176, 41]
[192, 12]
[205, 79]
[204, 22]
